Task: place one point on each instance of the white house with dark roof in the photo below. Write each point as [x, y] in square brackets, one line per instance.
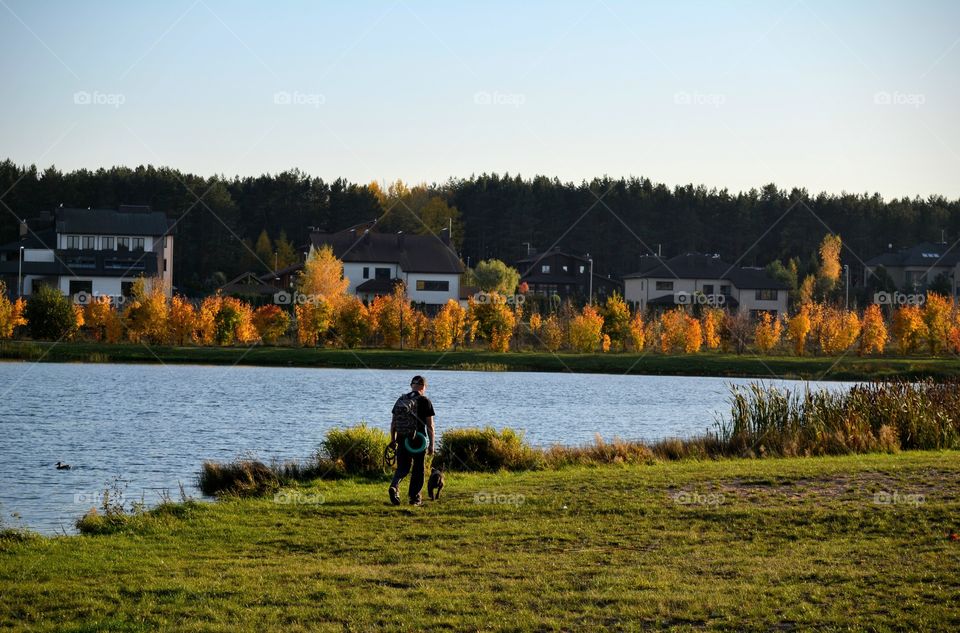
[92, 251]
[374, 262]
[693, 278]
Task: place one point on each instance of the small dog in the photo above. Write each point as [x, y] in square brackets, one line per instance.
[435, 484]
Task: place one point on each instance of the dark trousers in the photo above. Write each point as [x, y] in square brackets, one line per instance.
[406, 460]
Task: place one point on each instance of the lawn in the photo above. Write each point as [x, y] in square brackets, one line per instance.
[849, 367]
[840, 543]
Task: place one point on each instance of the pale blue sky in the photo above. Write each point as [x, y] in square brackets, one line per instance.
[854, 96]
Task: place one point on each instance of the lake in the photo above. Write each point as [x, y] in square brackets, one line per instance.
[151, 426]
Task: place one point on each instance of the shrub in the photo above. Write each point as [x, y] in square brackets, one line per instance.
[49, 314]
[357, 450]
[487, 450]
[241, 477]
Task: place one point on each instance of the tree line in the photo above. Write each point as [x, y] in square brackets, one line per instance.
[229, 225]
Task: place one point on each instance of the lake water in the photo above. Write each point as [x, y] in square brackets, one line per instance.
[151, 426]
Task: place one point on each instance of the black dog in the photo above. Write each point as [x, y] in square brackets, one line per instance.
[435, 484]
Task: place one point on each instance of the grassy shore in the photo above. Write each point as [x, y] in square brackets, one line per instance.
[840, 543]
[850, 367]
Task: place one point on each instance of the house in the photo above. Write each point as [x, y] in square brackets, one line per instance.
[915, 268]
[375, 262]
[96, 251]
[694, 278]
[568, 276]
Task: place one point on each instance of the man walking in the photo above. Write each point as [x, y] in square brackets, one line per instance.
[411, 446]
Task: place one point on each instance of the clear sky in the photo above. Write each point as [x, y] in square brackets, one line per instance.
[835, 96]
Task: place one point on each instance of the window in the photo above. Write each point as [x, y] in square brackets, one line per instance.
[582, 269]
[433, 285]
[81, 262]
[164, 264]
[708, 289]
[565, 268]
[77, 286]
[765, 294]
[88, 242]
[123, 264]
[73, 241]
[138, 243]
[123, 243]
[725, 289]
[366, 272]
[382, 273]
[126, 287]
[664, 285]
[106, 243]
[545, 269]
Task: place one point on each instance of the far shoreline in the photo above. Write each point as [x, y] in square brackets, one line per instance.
[707, 364]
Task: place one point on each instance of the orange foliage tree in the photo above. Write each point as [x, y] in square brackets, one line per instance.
[767, 332]
[391, 316]
[11, 313]
[271, 322]
[936, 316]
[449, 324]
[586, 330]
[101, 318]
[710, 322]
[352, 322]
[908, 328]
[182, 321]
[873, 331]
[798, 328]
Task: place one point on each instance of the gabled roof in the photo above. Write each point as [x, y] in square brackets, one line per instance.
[44, 239]
[414, 253]
[127, 221]
[925, 254]
[698, 266]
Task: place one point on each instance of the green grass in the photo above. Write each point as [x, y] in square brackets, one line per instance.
[849, 367]
[776, 544]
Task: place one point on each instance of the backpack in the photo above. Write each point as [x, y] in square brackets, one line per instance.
[405, 420]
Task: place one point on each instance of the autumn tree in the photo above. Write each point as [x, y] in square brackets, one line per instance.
[873, 331]
[449, 324]
[838, 331]
[391, 317]
[101, 319]
[767, 332]
[711, 322]
[586, 330]
[909, 328]
[936, 317]
[551, 333]
[828, 273]
[146, 314]
[798, 329]
[636, 332]
[737, 331]
[49, 314]
[673, 331]
[322, 280]
[616, 321]
[182, 324]
[494, 321]
[11, 313]
[271, 322]
[205, 322]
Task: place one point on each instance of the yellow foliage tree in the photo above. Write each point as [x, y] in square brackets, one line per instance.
[936, 316]
[391, 316]
[352, 322]
[205, 323]
[693, 338]
[711, 322]
[637, 333]
[494, 321]
[586, 330]
[102, 319]
[767, 332]
[673, 331]
[551, 333]
[271, 322]
[322, 280]
[798, 328]
[449, 324]
[313, 320]
[11, 313]
[873, 331]
[838, 330]
[909, 328]
[146, 315]
[616, 321]
[182, 322]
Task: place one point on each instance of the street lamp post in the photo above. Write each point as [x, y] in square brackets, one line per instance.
[590, 283]
[20, 275]
[846, 286]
